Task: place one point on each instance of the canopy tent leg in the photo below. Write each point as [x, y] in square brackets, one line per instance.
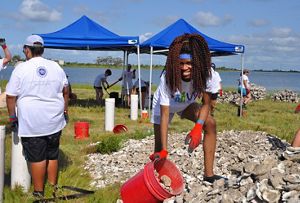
[241, 82]
[150, 81]
[139, 72]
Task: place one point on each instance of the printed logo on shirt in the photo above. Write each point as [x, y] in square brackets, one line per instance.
[183, 97]
[41, 71]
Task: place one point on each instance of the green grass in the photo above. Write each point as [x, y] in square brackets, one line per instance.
[272, 117]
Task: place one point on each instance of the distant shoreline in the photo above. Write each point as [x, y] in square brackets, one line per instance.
[160, 67]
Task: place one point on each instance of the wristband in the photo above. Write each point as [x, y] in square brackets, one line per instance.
[13, 116]
[200, 121]
[4, 46]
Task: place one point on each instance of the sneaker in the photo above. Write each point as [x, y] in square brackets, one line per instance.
[212, 179]
[38, 194]
[244, 106]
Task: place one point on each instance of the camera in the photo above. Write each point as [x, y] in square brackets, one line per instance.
[2, 41]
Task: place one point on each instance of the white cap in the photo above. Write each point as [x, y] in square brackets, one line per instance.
[33, 39]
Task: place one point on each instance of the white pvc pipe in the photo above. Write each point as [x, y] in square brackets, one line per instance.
[109, 114]
[2, 160]
[20, 175]
[134, 106]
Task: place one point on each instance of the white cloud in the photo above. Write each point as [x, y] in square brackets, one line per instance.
[259, 22]
[208, 19]
[281, 32]
[145, 36]
[35, 10]
[267, 50]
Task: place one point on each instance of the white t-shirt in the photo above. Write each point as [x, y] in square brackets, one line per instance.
[244, 77]
[38, 84]
[127, 80]
[214, 82]
[1, 64]
[178, 102]
[99, 79]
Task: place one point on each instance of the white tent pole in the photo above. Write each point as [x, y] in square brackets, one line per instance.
[241, 83]
[124, 66]
[124, 58]
[140, 84]
[150, 80]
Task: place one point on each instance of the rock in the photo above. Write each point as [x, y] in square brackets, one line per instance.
[252, 162]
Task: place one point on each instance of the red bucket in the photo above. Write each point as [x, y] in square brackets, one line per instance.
[81, 130]
[297, 110]
[145, 187]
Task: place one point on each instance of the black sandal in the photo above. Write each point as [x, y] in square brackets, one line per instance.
[212, 179]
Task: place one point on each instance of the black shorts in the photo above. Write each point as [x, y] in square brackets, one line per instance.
[37, 149]
[98, 88]
[214, 96]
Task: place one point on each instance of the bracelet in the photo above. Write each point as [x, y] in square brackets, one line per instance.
[200, 121]
[13, 116]
[4, 46]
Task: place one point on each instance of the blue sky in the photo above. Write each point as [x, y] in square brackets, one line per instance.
[269, 29]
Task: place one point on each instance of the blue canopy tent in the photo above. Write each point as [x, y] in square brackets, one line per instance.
[85, 34]
[159, 43]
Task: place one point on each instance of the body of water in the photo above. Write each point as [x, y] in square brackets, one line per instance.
[270, 80]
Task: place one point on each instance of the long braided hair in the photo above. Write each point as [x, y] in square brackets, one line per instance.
[196, 46]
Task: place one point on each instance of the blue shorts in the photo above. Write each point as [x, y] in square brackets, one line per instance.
[243, 91]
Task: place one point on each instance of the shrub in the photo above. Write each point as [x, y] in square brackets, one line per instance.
[109, 144]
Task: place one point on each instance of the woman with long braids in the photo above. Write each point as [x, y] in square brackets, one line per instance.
[187, 72]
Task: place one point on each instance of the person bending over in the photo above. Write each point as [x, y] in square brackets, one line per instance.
[101, 83]
[187, 71]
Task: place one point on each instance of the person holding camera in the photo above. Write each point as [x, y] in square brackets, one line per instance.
[7, 56]
[38, 90]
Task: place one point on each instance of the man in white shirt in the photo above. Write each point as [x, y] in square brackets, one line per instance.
[38, 90]
[127, 77]
[185, 79]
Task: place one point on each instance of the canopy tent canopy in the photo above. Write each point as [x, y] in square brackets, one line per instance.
[162, 40]
[85, 34]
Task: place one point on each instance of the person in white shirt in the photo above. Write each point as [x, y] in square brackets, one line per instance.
[7, 55]
[216, 86]
[187, 73]
[37, 103]
[127, 77]
[101, 83]
[244, 87]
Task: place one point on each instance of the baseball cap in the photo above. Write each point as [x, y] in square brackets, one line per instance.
[34, 41]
